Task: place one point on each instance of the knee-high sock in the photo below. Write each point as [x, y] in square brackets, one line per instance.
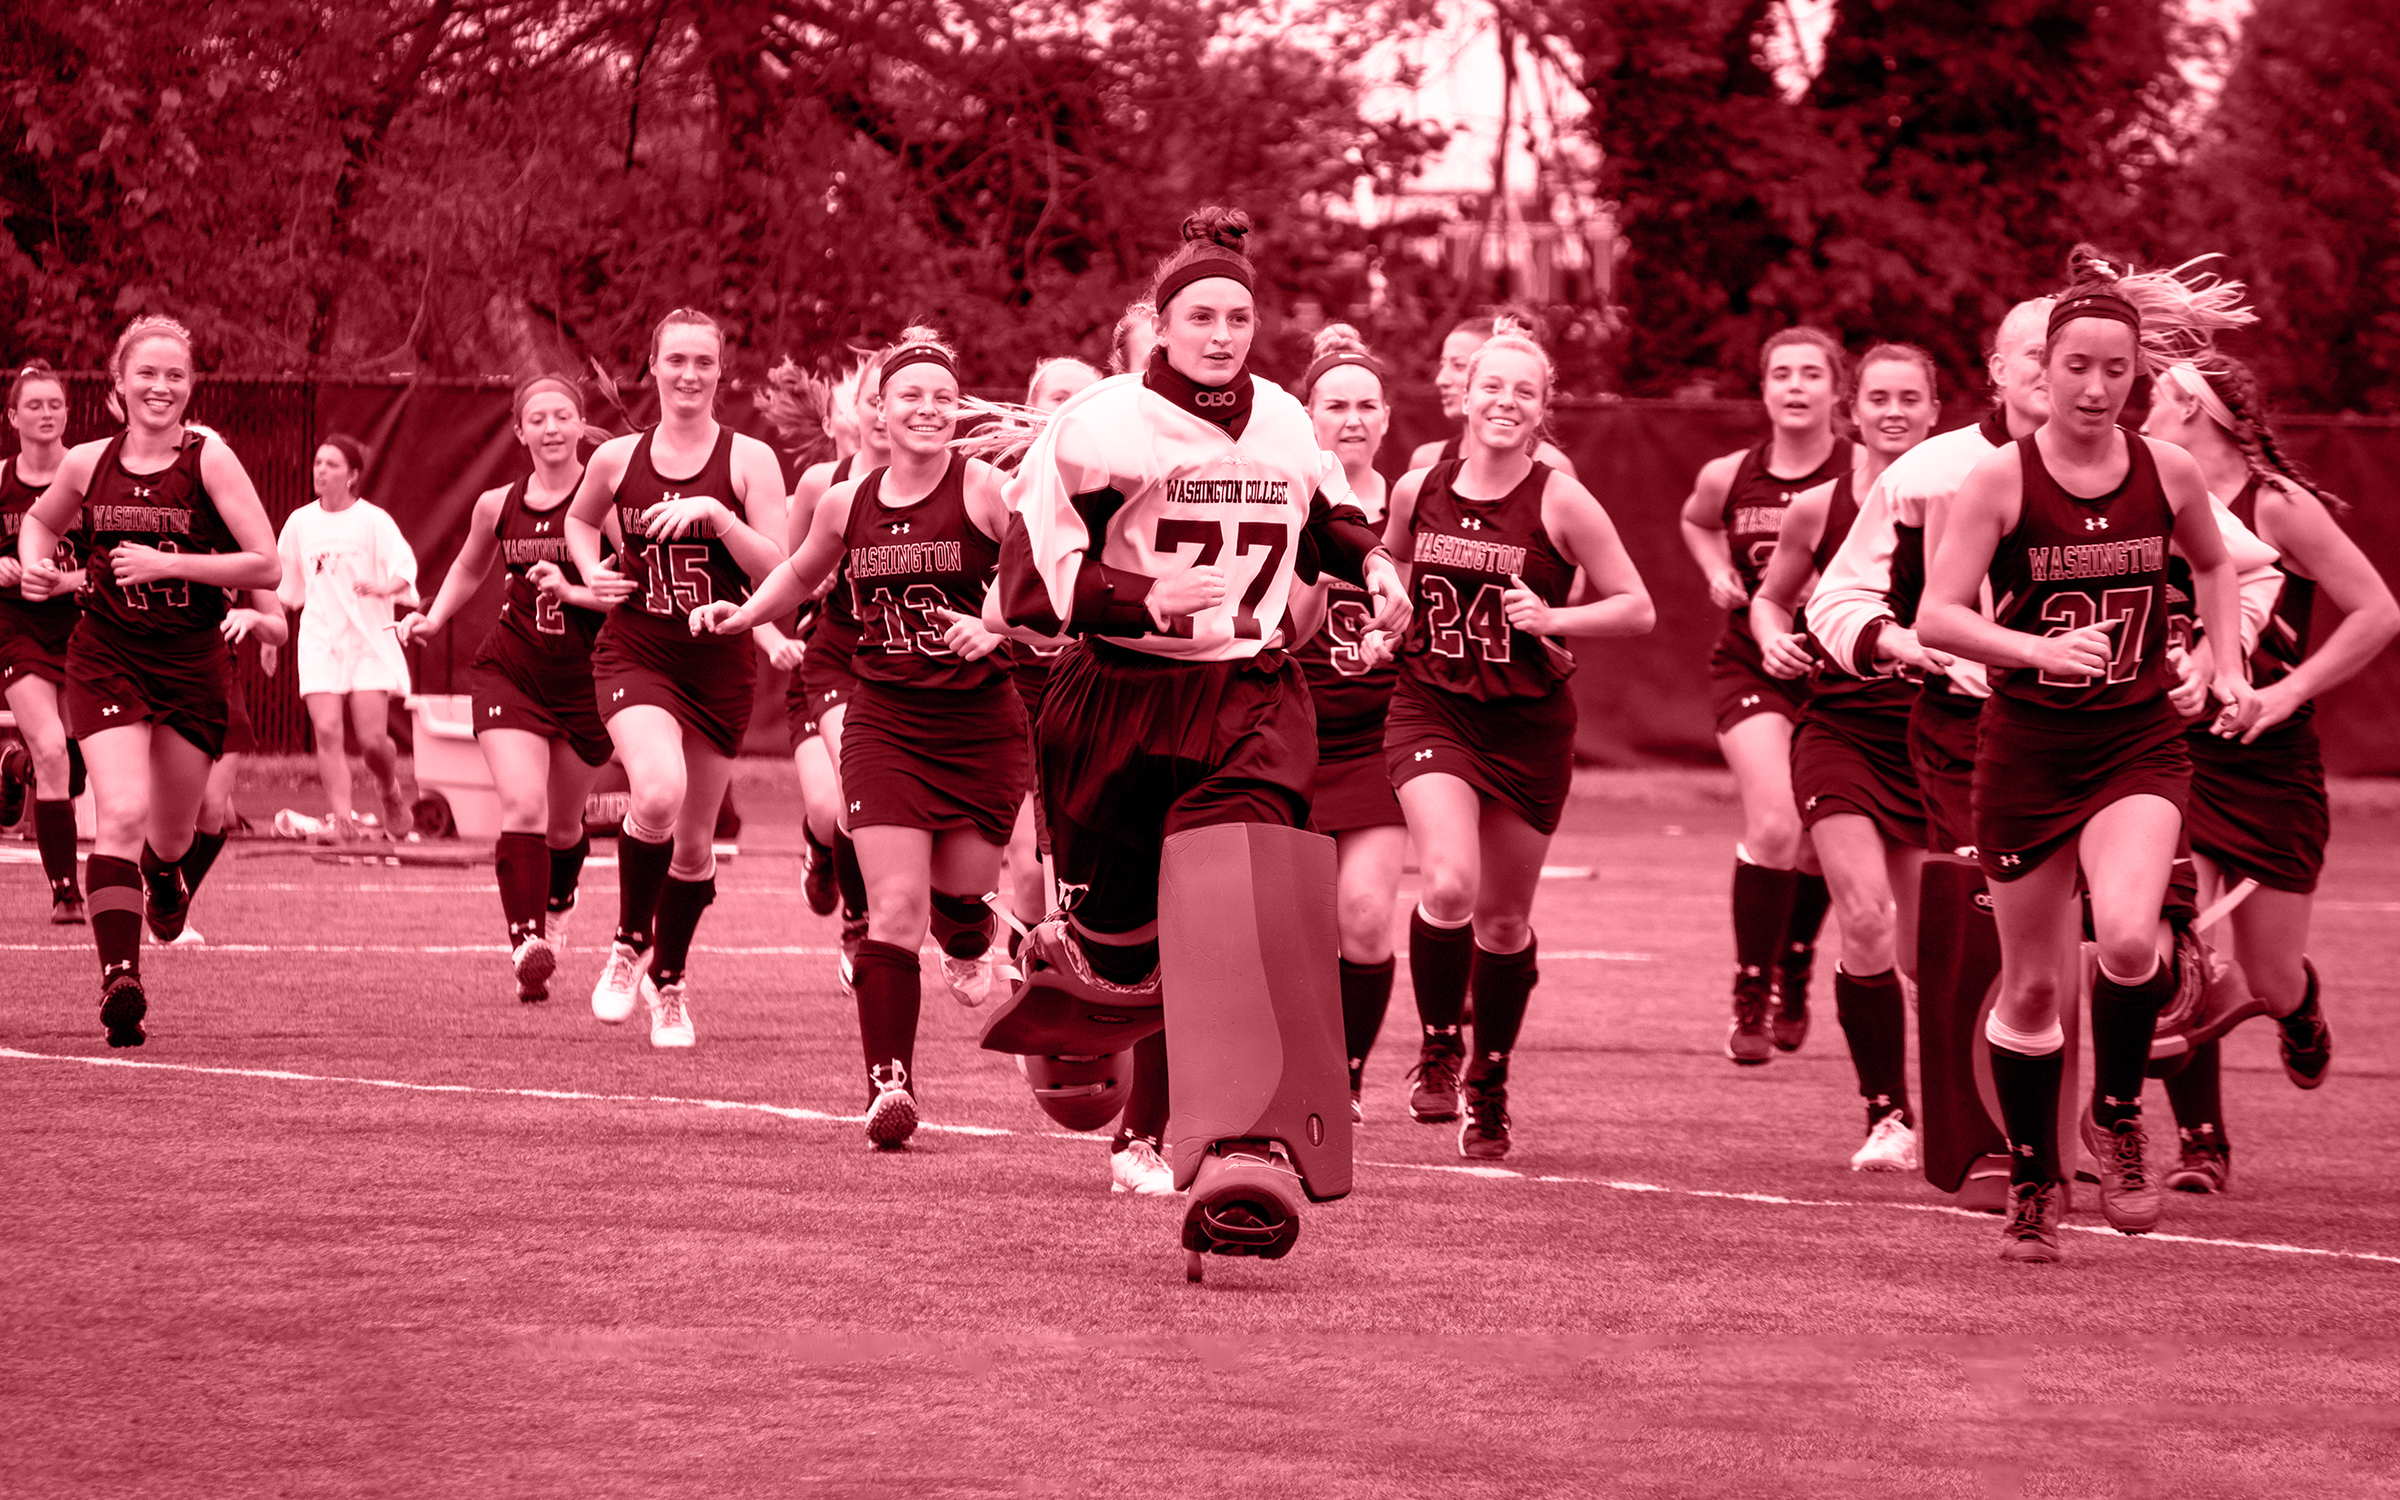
[566, 870]
[1439, 962]
[2195, 1089]
[522, 861]
[163, 876]
[889, 983]
[2028, 1083]
[679, 909]
[1810, 901]
[847, 876]
[1874, 1016]
[1503, 984]
[962, 925]
[2124, 1018]
[1366, 997]
[54, 831]
[1762, 914]
[116, 904]
[641, 880]
[1146, 1097]
[197, 860]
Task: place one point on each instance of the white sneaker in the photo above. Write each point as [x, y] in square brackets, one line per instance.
[620, 984]
[892, 1117]
[670, 1018]
[1891, 1147]
[554, 924]
[970, 979]
[534, 961]
[1140, 1169]
[189, 938]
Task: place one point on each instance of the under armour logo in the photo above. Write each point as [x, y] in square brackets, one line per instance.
[1750, 700]
[901, 529]
[541, 525]
[2010, 861]
[1469, 523]
[1812, 804]
[618, 694]
[2095, 523]
[493, 712]
[1424, 755]
[854, 807]
[111, 711]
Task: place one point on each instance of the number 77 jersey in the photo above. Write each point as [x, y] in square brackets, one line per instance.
[1463, 554]
[2073, 562]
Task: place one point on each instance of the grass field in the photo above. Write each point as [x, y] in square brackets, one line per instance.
[357, 1223]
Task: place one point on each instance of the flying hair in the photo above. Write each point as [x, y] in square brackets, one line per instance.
[798, 404]
[2182, 309]
[2236, 385]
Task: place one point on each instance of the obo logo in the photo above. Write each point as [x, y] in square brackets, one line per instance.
[1214, 398]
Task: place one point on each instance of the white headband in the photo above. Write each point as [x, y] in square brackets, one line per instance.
[2187, 376]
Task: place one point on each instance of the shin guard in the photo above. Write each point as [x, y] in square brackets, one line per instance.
[1250, 968]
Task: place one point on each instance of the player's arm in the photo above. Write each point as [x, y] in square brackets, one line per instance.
[47, 519]
[257, 564]
[1587, 538]
[1951, 618]
[2306, 532]
[1703, 526]
[399, 580]
[794, 579]
[2216, 591]
[1343, 543]
[467, 570]
[589, 511]
[1785, 582]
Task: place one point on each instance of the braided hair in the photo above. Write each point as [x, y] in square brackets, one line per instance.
[2236, 384]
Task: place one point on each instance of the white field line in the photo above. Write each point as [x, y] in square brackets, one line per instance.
[813, 1116]
[767, 950]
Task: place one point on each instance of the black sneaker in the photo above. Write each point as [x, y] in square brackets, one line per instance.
[166, 904]
[2035, 1211]
[1483, 1132]
[1434, 1098]
[2307, 1039]
[2206, 1165]
[122, 1006]
[1747, 1041]
[817, 881]
[1788, 1026]
[66, 905]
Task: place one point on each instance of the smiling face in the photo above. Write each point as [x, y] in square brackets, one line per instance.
[1450, 380]
[548, 427]
[920, 408]
[40, 412]
[155, 382]
[2089, 372]
[1206, 329]
[689, 362]
[1506, 393]
[1350, 414]
[1798, 388]
[1895, 406]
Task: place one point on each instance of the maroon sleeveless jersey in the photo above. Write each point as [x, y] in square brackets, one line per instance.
[1351, 696]
[904, 562]
[2072, 562]
[1463, 552]
[16, 498]
[169, 510]
[540, 632]
[673, 578]
[1753, 513]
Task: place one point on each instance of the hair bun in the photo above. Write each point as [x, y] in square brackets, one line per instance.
[2086, 263]
[38, 366]
[1336, 338]
[1220, 226]
[916, 333]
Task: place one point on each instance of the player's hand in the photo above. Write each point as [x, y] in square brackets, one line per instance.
[1898, 643]
[40, 580]
[1787, 654]
[2074, 653]
[2276, 702]
[2241, 706]
[607, 585]
[1725, 590]
[1188, 592]
[719, 617]
[787, 654]
[1389, 594]
[237, 625]
[11, 570]
[131, 563]
[1526, 610]
[964, 634]
[1375, 647]
[2188, 675]
[694, 515]
[413, 628]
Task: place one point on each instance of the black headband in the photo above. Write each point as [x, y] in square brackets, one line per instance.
[915, 354]
[1223, 263]
[2092, 305]
[1334, 361]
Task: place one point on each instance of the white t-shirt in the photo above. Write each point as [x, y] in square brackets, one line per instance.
[326, 554]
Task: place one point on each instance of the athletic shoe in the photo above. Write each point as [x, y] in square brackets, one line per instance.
[1139, 1169]
[1747, 1041]
[399, 815]
[555, 922]
[2206, 1165]
[2128, 1194]
[1891, 1147]
[67, 911]
[670, 1017]
[16, 780]
[1434, 1099]
[2306, 1039]
[817, 880]
[165, 909]
[534, 961]
[892, 1116]
[2034, 1216]
[970, 979]
[620, 983]
[189, 938]
[1358, 1109]
[1483, 1123]
[122, 1006]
